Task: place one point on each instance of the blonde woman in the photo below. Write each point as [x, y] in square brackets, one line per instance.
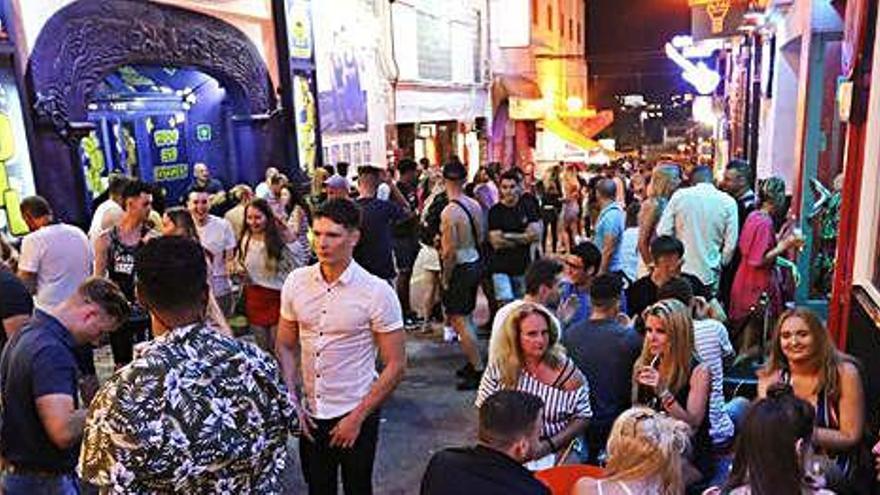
[668, 376]
[644, 456]
[527, 357]
[665, 179]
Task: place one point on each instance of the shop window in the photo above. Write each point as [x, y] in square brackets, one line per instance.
[550, 17]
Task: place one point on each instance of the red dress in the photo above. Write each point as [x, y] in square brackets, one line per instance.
[754, 277]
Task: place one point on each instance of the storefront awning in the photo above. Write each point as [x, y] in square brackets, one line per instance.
[507, 86]
[570, 135]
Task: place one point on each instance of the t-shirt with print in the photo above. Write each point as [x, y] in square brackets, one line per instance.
[513, 260]
[217, 238]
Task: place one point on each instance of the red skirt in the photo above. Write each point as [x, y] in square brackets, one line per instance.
[262, 305]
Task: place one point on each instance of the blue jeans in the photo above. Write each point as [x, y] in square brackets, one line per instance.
[29, 484]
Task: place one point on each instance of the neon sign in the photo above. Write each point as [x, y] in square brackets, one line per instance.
[701, 77]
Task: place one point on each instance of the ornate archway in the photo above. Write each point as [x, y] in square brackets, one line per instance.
[83, 42]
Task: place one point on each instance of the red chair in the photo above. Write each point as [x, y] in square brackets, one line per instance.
[561, 479]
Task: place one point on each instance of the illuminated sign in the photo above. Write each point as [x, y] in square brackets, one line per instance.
[167, 173]
[717, 18]
[527, 108]
[701, 77]
[299, 29]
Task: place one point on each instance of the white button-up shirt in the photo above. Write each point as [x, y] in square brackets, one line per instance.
[336, 325]
[704, 219]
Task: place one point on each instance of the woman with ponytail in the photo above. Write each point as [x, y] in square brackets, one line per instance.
[644, 456]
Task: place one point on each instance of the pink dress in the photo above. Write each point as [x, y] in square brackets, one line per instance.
[754, 277]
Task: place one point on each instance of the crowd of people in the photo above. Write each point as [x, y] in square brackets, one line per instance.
[618, 301]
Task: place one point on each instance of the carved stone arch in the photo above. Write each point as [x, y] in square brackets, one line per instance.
[85, 41]
[88, 39]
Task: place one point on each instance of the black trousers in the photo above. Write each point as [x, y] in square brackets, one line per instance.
[321, 462]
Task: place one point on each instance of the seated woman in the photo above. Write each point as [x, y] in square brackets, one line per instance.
[527, 357]
[802, 355]
[774, 446]
[644, 456]
[668, 377]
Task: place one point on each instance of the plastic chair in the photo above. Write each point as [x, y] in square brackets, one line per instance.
[561, 479]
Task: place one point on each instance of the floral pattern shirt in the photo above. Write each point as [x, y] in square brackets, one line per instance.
[195, 412]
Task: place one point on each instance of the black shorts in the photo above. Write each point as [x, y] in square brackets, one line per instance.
[405, 251]
[460, 298]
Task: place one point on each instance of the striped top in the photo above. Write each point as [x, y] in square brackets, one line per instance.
[560, 406]
[711, 344]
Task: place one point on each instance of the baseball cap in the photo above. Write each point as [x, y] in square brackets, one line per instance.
[454, 171]
[336, 182]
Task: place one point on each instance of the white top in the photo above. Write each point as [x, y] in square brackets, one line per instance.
[255, 264]
[560, 406]
[336, 326]
[219, 240]
[712, 343]
[501, 316]
[383, 192]
[704, 219]
[61, 256]
[97, 226]
[263, 191]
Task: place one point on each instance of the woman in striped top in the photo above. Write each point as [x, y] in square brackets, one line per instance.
[529, 358]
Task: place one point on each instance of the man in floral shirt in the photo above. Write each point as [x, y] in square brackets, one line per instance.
[195, 412]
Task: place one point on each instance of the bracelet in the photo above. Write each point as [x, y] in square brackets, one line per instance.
[667, 399]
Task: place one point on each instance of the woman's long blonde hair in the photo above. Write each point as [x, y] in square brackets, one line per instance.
[675, 364]
[825, 358]
[508, 354]
[647, 446]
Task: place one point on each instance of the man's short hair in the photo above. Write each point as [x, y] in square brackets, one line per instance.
[171, 273]
[342, 168]
[136, 187]
[406, 165]
[507, 416]
[542, 272]
[35, 206]
[278, 178]
[116, 183]
[606, 290]
[677, 288]
[666, 244]
[589, 254]
[342, 211]
[107, 295]
[701, 173]
[512, 174]
[606, 188]
[742, 168]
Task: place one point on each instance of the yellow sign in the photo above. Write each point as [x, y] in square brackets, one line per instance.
[526, 108]
[170, 172]
[717, 11]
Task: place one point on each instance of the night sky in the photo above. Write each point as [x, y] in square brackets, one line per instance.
[625, 51]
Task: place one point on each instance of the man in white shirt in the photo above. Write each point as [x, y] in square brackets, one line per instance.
[55, 257]
[108, 213]
[704, 219]
[218, 239]
[335, 316]
[263, 188]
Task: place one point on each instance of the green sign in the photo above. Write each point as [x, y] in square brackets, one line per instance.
[203, 132]
[170, 172]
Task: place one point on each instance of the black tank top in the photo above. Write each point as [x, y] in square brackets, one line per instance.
[120, 266]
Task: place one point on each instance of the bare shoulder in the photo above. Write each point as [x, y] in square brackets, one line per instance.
[848, 370]
[575, 381]
[585, 486]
